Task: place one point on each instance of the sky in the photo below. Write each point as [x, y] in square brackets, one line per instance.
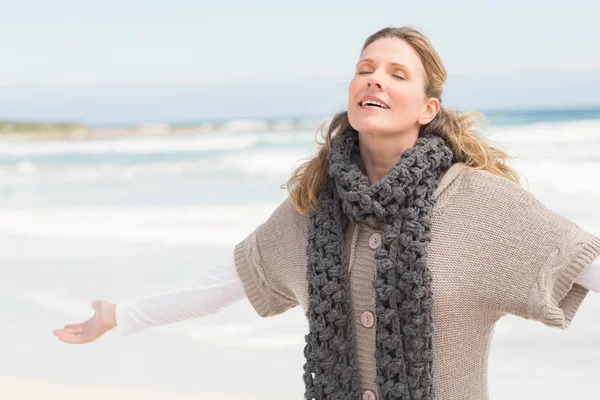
[178, 55]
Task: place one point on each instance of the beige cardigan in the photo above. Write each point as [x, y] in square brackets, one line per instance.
[495, 250]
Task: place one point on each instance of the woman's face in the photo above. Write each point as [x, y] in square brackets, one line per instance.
[390, 70]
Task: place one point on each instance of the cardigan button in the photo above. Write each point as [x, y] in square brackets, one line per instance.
[375, 241]
[369, 395]
[367, 319]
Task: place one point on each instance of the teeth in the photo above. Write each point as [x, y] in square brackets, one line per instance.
[372, 102]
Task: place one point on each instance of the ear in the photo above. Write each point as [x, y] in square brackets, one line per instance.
[431, 109]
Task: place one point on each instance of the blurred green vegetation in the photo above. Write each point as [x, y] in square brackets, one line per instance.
[32, 126]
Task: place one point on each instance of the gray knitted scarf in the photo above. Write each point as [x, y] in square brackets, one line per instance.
[402, 202]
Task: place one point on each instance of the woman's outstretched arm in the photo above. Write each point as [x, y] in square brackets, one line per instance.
[220, 287]
[209, 293]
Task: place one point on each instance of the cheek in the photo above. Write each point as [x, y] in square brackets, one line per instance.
[353, 93]
[354, 87]
[408, 99]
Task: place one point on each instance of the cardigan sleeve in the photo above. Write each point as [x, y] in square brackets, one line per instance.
[555, 295]
[538, 253]
[264, 261]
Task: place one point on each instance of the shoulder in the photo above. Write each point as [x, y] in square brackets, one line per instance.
[286, 213]
[495, 198]
[487, 186]
[284, 224]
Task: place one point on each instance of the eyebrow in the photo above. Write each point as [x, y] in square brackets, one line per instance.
[394, 64]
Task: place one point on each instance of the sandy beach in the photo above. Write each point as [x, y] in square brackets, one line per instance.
[19, 389]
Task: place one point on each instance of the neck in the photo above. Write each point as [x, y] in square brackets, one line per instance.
[380, 153]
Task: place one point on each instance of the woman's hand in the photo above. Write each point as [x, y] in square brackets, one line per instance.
[103, 320]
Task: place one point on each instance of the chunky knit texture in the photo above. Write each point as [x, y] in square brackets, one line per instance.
[494, 250]
[401, 201]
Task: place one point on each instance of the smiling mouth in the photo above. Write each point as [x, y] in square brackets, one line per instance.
[372, 107]
[371, 104]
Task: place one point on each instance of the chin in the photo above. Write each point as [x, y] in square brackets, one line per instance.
[382, 129]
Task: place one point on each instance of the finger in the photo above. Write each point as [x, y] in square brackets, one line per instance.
[72, 326]
[70, 338]
[70, 330]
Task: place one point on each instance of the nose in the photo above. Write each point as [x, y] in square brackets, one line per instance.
[374, 81]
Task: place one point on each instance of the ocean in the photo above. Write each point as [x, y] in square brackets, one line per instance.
[119, 218]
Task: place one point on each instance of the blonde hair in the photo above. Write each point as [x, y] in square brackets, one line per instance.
[458, 129]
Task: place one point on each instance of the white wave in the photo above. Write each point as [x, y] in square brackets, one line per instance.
[263, 162]
[188, 143]
[131, 146]
[561, 133]
[246, 125]
[259, 162]
[563, 177]
[217, 224]
[78, 173]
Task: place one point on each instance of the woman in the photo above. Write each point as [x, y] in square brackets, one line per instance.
[404, 240]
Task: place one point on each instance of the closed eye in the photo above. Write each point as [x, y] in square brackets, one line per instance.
[395, 76]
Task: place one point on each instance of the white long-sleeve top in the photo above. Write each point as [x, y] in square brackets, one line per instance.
[219, 288]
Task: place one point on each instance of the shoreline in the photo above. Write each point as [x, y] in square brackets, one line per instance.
[164, 129]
